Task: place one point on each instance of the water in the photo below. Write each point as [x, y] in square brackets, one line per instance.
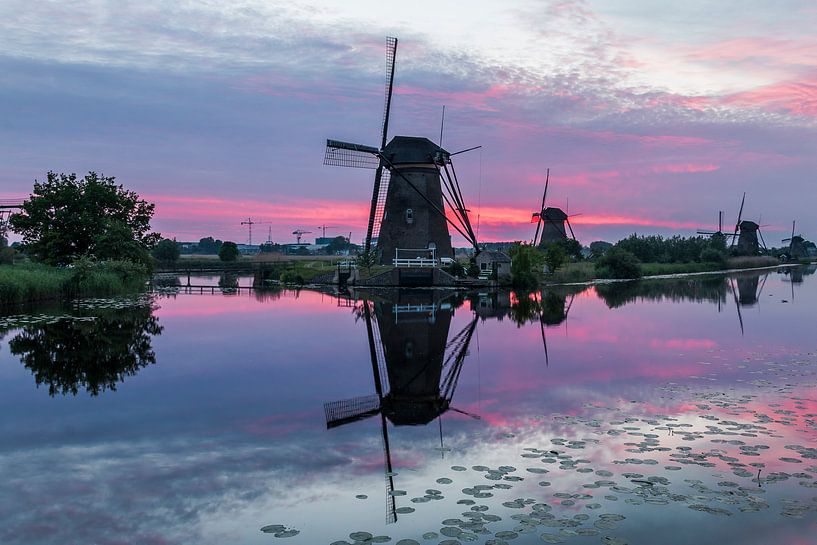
[679, 411]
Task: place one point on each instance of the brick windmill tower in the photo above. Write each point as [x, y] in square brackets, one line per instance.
[414, 181]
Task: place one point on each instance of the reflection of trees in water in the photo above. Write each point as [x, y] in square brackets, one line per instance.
[94, 355]
[228, 282]
[549, 306]
[703, 289]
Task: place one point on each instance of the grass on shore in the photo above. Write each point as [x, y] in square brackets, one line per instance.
[33, 282]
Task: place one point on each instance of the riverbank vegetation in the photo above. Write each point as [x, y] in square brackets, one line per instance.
[80, 237]
[36, 282]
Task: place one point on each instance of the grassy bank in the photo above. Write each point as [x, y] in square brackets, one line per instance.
[31, 282]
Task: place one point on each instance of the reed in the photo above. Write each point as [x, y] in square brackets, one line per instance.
[32, 282]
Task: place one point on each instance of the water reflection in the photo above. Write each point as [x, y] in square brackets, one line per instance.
[656, 421]
[414, 365]
[705, 289]
[92, 352]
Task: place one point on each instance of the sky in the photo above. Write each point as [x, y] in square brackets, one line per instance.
[651, 116]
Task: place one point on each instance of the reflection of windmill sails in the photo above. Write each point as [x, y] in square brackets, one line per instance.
[555, 308]
[746, 292]
[415, 371]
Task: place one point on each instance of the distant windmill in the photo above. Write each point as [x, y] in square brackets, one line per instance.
[797, 246]
[413, 385]
[720, 227]
[6, 210]
[299, 233]
[407, 210]
[550, 221]
[746, 234]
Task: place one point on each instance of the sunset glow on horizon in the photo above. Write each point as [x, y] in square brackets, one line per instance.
[650, 117]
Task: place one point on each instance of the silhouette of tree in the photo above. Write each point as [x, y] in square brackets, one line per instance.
[95, 354]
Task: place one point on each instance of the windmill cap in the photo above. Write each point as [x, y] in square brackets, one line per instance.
[413, 150]
[749, 225]
[553, 213]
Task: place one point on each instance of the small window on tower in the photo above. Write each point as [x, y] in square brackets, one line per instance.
[409, 216]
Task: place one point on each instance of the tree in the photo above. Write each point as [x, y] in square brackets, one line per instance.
[209, 246]
[599, 248]
[167, 251]
[555, 257]
[228, 251]
[66, 218]
[618, 263]
[526, 264]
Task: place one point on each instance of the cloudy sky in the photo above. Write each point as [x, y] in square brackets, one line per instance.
[651, 116]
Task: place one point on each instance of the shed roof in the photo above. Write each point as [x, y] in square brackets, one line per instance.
[494, 255]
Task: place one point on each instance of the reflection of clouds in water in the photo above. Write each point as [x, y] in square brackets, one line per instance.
[210, 448]
[161, 492]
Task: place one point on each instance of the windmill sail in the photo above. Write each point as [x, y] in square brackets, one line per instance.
[378, 203]
[346, 154]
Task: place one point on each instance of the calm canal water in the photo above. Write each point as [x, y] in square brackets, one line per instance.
[673, 412]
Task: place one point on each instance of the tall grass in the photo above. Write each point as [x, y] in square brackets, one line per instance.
[31, 282]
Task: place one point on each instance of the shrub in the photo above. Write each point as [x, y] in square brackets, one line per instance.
[618, 263]
[711, 255]
[228, 251]
[167, 251]
[291, 277]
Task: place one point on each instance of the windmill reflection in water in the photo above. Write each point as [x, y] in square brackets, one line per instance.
[415, 369]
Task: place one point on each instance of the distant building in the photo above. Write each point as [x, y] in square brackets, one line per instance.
[248, 249]
[489, 261]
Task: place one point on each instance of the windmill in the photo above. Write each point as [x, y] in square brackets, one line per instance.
[551, 221]
[415, 370]
[746, 234]
[797, 247]
[6, 210]
[720, 227]
[407, 210]
[299, 233]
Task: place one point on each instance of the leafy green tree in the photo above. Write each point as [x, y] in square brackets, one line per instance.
[555, 257]
[599, 248]
[209, 246]
[572, 248]
[526, 264]
[336, 245]
[228, 252]
[167, 251]
[66, 218]
[618, 263]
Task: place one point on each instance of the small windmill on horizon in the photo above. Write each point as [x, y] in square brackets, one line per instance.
[550, 220]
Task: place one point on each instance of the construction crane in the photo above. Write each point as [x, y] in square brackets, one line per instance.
[323, 228]
[249, 223]
[299, 233]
